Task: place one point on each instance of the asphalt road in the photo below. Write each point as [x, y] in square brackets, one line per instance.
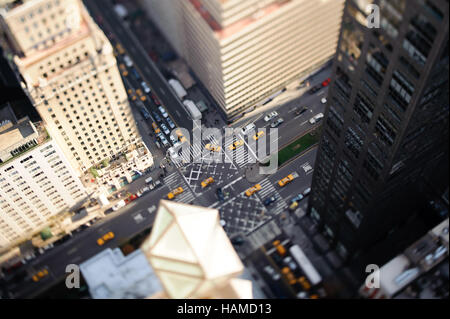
[112, 24]
[241, 213]
[125, 223]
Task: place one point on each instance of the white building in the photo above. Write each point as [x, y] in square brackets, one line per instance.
[111, 275]
[36, 180]
[72, 76]
[246, 50]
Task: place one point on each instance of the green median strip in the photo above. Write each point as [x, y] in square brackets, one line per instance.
[298, 146]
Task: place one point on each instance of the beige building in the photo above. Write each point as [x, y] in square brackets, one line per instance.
[246, 50]
[72, 76]
[36, 180]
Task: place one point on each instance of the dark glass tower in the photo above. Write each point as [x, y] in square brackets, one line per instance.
[386, 121]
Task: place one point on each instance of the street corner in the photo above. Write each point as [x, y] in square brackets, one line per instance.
[252, 173]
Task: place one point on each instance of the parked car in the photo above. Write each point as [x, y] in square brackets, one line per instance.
[119, 205]
[248, 128]
[135, 74]
[300, 112]
[315, 89]
[170, 122]
[307, 191]
[165, 129]
[277, 123]
[270, 116]
[173, 139]
[316, 119]
[326, 82]
[290, 262]
[164, 140]
[158, 184]
[163, 112]
[145, 87]
[156, 117]
[323, 100]
[297, 198]
[172, 153]
[127, 61]
[155, 99]
[272, 272]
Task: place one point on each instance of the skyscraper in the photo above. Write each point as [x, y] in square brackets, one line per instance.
[72, 77]
[386, 119]
[36, 179]
[243, 51]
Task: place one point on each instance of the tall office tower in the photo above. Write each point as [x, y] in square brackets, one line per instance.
[386, 120]
[36, 179]
[73, 79]
[246, 50]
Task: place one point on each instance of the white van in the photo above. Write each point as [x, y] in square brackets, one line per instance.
[249, 127]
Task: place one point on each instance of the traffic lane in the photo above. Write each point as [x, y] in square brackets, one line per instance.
[234, 188]
[294, 125]
[279, 288]
[304, 179]
[143, 63]
[314, 80]
[149, 104]
[84, 246]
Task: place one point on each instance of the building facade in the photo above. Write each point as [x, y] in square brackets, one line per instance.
[245, 51]
[386, 120]
[420, 272]
[36, 180]
[71, 75]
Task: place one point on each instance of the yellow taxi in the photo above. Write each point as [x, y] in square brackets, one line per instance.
[132, 95]
[293, 206]
[120, 49]
[258, 135]
[289, 275]
[106, 237]
[304, 282]
[141, 95]
[156, 128]
[236, 144]
[207, 181]
[39, 275]
[180, 136]
[123, 69]
[212, 148]
[249, 192]
[286, 180]
[175, 192]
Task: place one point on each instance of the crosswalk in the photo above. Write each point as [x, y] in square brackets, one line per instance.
[240, 156]
[198, 153]
[173, 181]
[268, 189]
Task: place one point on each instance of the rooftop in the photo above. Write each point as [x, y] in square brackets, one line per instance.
[234, 28]
[18, 139]
[111, 275]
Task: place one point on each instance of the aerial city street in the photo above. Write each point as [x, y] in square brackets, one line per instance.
[216, 149]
